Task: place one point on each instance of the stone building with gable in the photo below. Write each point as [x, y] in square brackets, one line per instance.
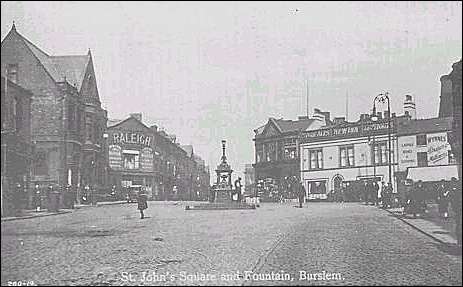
[68, 121]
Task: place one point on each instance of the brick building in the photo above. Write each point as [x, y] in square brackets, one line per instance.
[141, 156]
[16, 146]
[67, 118]
[276, 153]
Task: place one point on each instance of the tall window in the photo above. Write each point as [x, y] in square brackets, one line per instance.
[316, 159]
[270, 152]
[71, 117]
[40, 163]
[259, 153]
[346, 156]
[131, 159]
[381, 153]
[19, 114]
[89, 127]
[421, 140]
[12, 73]
[422, 158]
[290, 152]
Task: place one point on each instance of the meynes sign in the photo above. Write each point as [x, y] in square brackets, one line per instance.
[356, 130]
[131, 138]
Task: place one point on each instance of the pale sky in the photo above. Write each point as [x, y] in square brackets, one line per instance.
[208, 71]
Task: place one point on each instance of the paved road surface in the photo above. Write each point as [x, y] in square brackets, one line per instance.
[110, 245]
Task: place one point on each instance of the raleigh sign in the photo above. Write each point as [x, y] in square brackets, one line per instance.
[131, 138]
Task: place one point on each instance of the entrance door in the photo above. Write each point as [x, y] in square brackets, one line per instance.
[337, 185]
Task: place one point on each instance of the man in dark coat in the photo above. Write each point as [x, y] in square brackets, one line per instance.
[238, 189]
[443, 199]
[142, 203]
[365, 192]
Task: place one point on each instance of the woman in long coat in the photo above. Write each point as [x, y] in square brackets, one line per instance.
[142, 203]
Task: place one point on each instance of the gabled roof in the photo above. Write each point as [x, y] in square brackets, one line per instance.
[290, 125]
[130, 118]
[59, 67]
[188, 149]
[424, 126]
[285, 126]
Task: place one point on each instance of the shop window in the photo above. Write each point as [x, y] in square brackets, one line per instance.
[131, 159]
[347, 156]
[421, 140]
[422, 159]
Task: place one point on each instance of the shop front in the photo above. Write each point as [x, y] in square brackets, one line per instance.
[131, 158]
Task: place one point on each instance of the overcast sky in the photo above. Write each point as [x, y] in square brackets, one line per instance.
[211, 71]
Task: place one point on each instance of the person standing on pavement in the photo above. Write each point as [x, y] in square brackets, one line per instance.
[374, 194]
[365, 192]
[443, 199]
[455, 195]
[301, 194]
[238, 188]
[37, 198]
[142, 203]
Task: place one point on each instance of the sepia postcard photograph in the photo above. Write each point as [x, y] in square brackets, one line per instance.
[231, 143]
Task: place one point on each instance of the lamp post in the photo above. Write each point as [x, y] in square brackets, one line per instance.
[381, 98]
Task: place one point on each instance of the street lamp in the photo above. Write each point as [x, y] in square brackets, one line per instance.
[381, 98]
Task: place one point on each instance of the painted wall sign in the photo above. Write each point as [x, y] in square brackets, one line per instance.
[407, 152]
[115, 156]
[355, 130]
[147, 159]
[438, 148]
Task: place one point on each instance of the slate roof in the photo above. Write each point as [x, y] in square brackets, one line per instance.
[285, 126]
[290, 125]
[71, 67]
[424, 126]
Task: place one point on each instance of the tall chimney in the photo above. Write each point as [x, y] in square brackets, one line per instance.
[409, 107]
[138, 116]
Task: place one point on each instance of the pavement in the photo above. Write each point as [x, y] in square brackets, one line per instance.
[322, 243]
[431, 224]
[31, 213]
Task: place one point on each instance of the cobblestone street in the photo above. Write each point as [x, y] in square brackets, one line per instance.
[110, 245]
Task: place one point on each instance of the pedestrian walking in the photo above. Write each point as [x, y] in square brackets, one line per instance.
[443, 199]
[142, 203]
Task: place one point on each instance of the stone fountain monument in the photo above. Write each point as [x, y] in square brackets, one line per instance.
[222, 190]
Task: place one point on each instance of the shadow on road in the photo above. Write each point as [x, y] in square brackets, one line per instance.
[451, 249]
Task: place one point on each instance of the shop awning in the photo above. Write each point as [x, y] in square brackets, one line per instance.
[432, 173]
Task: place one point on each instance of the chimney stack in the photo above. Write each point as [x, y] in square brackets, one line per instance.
[409, 107]
[138, 116]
